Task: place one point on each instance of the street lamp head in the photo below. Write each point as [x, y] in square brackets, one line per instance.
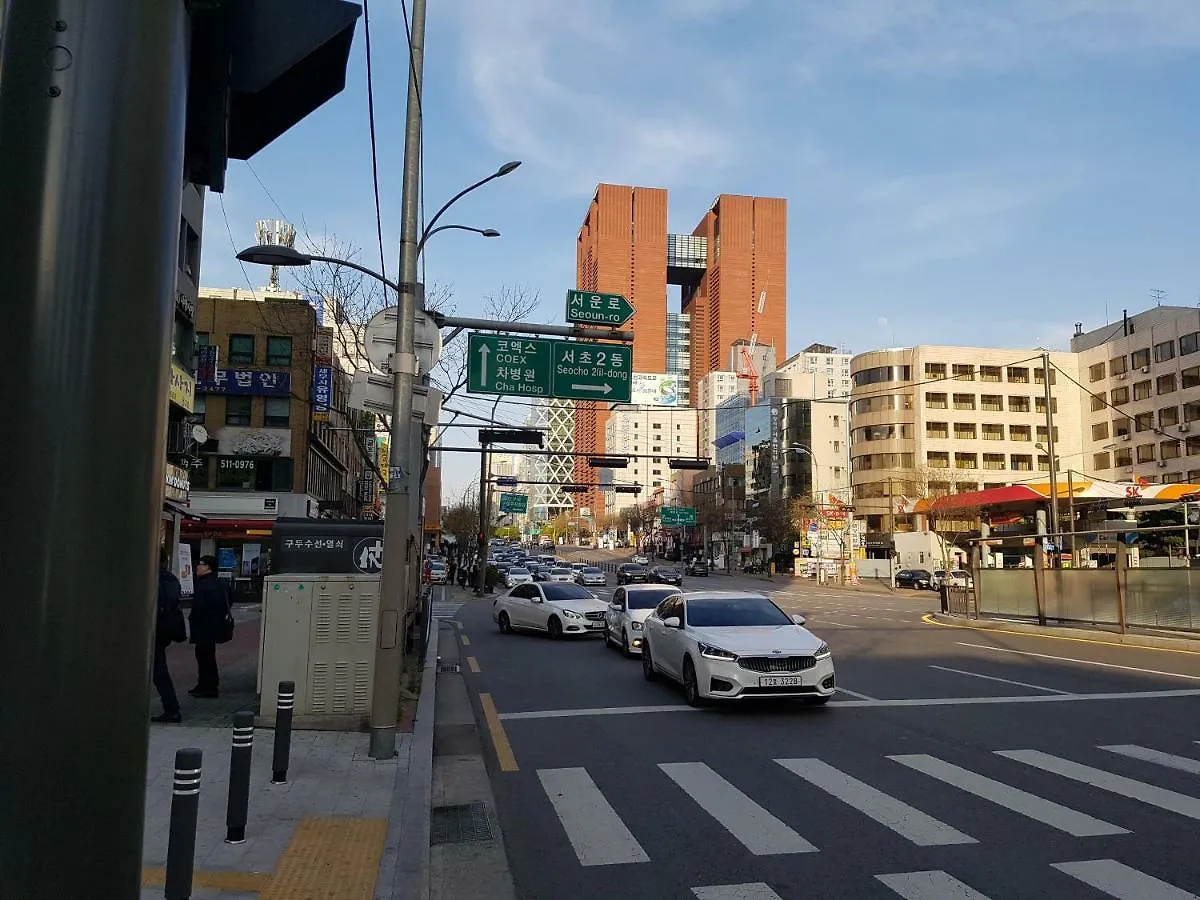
[508, 167]
[490, 232]
[273, 255]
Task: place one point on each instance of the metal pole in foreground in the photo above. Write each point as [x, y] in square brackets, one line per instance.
[282, 751]
[1055, 534]
[485, 491]
[403, 475]
[91, 175]
[181, 838]
[238, 808]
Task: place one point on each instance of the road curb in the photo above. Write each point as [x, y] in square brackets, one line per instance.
[404, 870]
[1149, 641]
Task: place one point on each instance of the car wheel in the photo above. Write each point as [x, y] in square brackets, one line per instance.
[554, 627]
[691, 688]
[625, 645]
[504, 622]
[647, 662]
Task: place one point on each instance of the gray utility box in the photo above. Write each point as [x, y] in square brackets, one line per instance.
[319, 631]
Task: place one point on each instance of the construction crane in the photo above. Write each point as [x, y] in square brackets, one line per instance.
[748, 369]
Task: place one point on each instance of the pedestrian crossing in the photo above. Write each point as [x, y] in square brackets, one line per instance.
[445, 610]
[765, 827]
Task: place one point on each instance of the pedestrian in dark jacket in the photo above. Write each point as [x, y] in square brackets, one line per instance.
[209, 625]
[168, 629]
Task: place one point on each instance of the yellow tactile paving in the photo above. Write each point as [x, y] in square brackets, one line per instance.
[244, 882]
[329, 859]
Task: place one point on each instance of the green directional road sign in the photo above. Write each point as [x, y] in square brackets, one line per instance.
[587, 371]
[537, 367]
[588, 308]
[514, 503]
[678, 515]
[497, 364]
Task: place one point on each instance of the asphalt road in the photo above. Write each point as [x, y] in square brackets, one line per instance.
[957, 763]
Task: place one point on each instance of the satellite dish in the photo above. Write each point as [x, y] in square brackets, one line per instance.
[200, 434]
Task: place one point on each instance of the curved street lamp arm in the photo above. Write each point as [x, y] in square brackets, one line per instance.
[334, 261]
[429, 229]
[430, 232]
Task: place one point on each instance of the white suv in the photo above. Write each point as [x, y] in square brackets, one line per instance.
[629, 608]
[556, 608]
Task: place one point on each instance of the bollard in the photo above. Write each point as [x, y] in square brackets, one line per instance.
[239, 777]
[284, 705]
[181, 841]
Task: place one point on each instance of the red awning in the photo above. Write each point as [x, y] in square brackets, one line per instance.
[1013, 493]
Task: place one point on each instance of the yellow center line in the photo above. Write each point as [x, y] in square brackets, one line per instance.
[504, 753]
[466, 641]
[473, 664]
[928, 619]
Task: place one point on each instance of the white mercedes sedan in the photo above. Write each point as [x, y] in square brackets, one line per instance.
[558, 609]
[627, 614]
[735, 645]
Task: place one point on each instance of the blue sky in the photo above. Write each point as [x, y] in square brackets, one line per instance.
[957, 171]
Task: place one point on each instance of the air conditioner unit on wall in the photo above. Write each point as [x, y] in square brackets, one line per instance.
[1122, 377]
[1162, 463]
[1145, 369]
[1125, 437]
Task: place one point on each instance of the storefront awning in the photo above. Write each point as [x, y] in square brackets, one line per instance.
[1039, 491]
[188, 515]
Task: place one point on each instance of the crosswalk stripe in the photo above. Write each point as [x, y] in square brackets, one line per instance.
[1108, 781]
[935, 885]
[445, 610]
[595, 831]
[1170, 760]
[758, 831]
[1011, 798]
[754, 891]
[1121, 881]
[907, 821]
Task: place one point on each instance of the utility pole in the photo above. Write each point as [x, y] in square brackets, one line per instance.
[91, 177]
[1047, 374]
[485, 491]
[400, 545]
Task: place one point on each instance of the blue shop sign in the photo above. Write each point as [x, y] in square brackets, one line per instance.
[249, 382]
[322, 393]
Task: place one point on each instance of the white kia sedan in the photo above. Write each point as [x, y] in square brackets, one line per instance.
[628, 611]
[556, 608]
[734, 645]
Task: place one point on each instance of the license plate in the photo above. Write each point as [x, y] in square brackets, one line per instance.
[781, 681]
[595, 625]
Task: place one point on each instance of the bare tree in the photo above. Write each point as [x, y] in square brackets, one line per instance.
[461, 519]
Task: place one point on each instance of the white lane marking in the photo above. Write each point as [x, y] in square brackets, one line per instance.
[1082, 662]
[754, 891]
[855, 694]
[1121, 881]
[866, 704]
[1036, 687]
[1108, 781]
[936, 885]
[757, 830]
[907, 821]
[593, 827]
[1170, 760]
[838, 624]
[1011, 798]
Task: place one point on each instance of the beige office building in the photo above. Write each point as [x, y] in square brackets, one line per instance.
[928, 421]
[669, 431]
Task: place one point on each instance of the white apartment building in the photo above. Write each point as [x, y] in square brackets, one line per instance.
[714, 389]
[933, 420]
[670, 431]
[817, 372]
[1141, 397]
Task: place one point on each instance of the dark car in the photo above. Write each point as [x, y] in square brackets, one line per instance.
[696, 567]
[921, 579]
[630, 573]
[665, 575]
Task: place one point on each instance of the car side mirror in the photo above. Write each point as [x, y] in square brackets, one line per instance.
[537, 600]
[799, 620]
[672, 622]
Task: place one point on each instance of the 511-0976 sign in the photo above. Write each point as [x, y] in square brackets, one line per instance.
[537, 367]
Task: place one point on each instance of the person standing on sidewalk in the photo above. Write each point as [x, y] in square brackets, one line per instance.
[168, 629]
[211, 624]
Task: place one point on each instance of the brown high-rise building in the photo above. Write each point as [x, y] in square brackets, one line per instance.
[732, 272]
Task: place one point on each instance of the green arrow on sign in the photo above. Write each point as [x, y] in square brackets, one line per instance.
[499, 364]
[591, 371]
[598, 309]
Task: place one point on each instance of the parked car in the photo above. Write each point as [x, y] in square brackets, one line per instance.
[628, 611]
[665, 575]
[696, 567]
[517, 575]
[557, 609]
[592, 577]
[922, 579]
[436, 573]
[733, 645]
[630, 573]
[641, 560]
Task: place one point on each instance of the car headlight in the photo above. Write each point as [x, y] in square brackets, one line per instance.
[711, 652]
[571, 614]
[636, 626]
[823, 652]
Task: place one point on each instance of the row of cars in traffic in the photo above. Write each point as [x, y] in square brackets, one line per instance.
[718, 645]
[925, 580]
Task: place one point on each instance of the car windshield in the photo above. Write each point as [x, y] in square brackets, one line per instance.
[566, 592]
[725, 612]
[631, 568]
[649, 599]
[560, 572]
[592, 571]
[517, 570]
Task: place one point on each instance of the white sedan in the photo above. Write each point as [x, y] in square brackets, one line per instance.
[628, 612]
[517, 575]
[556, 608]
[734, 645]
[641, 560]
[560, 575]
